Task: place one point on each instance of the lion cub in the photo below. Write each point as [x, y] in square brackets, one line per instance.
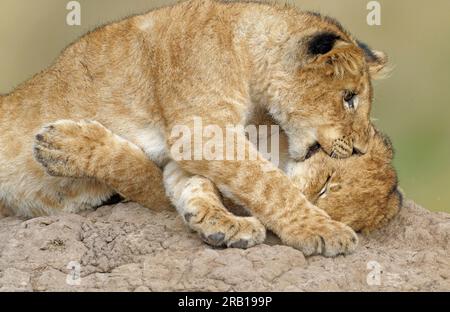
[360, 191]
[139, 79]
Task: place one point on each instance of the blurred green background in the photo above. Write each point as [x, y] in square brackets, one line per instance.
[412, 106]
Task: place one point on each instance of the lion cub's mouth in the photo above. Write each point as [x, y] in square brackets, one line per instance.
[312, 150]
[315, 148]
[355, 152]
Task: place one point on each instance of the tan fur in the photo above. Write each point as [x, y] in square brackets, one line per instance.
[360, 191]
[144, 75]
[199, 202]
[116, 162]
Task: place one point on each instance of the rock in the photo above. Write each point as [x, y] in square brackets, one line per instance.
[129, 248]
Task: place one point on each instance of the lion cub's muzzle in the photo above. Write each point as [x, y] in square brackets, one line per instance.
[344, 148]
[340, 149]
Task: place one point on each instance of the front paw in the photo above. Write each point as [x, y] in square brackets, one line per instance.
[218, 229]
[321, 236]
[67, 148]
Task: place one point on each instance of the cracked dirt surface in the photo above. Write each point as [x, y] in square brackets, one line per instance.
[129, 248]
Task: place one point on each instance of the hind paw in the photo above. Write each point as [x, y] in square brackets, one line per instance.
[68, 148]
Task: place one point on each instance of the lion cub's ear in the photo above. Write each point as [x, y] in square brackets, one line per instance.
[327, 50]
[376, 60]
[322, 43]
[337, 55]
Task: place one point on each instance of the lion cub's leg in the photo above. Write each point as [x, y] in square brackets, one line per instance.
[88, 149]
[198, 201]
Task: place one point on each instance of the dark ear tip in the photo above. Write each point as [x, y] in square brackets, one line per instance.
[322, 43]
[372, 56]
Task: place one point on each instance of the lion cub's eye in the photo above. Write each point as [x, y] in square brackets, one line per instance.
[350, 100]
[323, 191]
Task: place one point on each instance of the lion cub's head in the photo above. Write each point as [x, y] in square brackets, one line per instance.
[319, 87]
[360, 191]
